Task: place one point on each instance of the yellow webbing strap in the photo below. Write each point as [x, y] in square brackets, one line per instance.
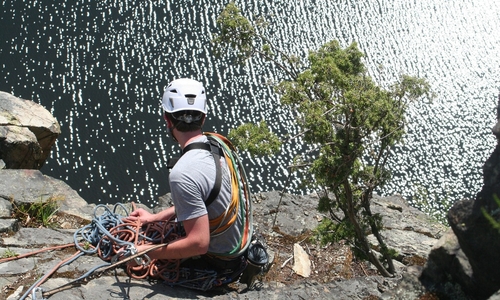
[227, 219]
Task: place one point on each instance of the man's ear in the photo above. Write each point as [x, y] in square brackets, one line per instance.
[169, 123]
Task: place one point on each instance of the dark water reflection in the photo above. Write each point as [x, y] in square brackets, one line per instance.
[100, 67]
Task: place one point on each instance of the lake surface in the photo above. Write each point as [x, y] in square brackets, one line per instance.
[100, 68]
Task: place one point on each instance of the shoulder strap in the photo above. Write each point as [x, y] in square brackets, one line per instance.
[216, 151]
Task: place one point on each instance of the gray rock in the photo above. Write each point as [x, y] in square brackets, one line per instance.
[403, 223]
[495, 296]
[9, 225]
[31, 186]
[409, 288]
[446, 266]
[17, 267]
[36, 237]
[27, 133]
[408, 218]
[5, 208]
[292, 214]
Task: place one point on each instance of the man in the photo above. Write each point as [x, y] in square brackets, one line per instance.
[218, 231]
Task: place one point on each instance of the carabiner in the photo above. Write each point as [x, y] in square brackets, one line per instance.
[34, 294]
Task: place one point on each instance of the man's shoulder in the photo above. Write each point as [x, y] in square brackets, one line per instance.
[192, 162]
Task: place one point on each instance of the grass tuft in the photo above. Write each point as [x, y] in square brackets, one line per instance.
[37, 214]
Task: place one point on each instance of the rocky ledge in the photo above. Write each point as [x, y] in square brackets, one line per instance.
[335, 274]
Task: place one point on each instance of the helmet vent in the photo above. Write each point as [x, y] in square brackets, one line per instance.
[190, 98]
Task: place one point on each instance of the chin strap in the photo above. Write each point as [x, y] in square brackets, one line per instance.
[170, 133]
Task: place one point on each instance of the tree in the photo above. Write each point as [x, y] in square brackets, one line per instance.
[349, 120]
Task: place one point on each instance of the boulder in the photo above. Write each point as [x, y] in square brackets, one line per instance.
[477, 237]
[469, 256]
[447, 271]
[31, 186]
[27, 133]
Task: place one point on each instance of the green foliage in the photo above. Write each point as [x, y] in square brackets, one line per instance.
[236, 32]
[256, 138]
[329, 231]
[413, 88]
[9, 253]
[86, 245]
[37, 214]
[349, 120]
[491, 216]
[393, 253]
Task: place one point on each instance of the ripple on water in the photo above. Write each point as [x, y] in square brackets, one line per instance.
[101, 66]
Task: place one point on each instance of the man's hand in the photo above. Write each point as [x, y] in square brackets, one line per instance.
[141, 215]
[144, 216]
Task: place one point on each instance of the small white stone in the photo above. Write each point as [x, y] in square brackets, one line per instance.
[16, 294]
[301, 261]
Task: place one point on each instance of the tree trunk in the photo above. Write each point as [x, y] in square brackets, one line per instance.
[365, 202]
[361, 236]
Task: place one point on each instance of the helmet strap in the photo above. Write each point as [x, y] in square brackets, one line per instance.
[170, 128]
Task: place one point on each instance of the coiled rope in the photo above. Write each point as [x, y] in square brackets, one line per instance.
[114, 240]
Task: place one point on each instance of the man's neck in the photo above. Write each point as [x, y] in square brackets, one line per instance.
[184, 138]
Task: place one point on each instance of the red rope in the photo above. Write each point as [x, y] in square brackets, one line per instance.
[131, 231]
[36, 252]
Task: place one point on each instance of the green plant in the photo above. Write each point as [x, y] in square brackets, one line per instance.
[330, 231]
[36, 214]
[256, 137]
[492, 216]
[9, 253]
[350, 122]
[86, 245]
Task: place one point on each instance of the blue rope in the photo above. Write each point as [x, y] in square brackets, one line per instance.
[94, 233]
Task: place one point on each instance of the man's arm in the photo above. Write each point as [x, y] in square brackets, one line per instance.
[194, 243]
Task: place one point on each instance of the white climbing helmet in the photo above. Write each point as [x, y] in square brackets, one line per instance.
[184, 94]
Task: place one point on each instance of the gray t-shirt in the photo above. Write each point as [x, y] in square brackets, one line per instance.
[191, 181]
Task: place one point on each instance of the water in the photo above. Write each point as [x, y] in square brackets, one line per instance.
[100, 68]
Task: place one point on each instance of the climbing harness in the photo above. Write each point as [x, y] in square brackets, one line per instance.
[240, 193]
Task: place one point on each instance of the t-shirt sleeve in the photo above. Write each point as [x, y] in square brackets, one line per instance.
[189, 188]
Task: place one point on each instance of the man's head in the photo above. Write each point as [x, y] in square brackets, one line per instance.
[185, 105]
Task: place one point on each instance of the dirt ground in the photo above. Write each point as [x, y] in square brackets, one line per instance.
[328, 263]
